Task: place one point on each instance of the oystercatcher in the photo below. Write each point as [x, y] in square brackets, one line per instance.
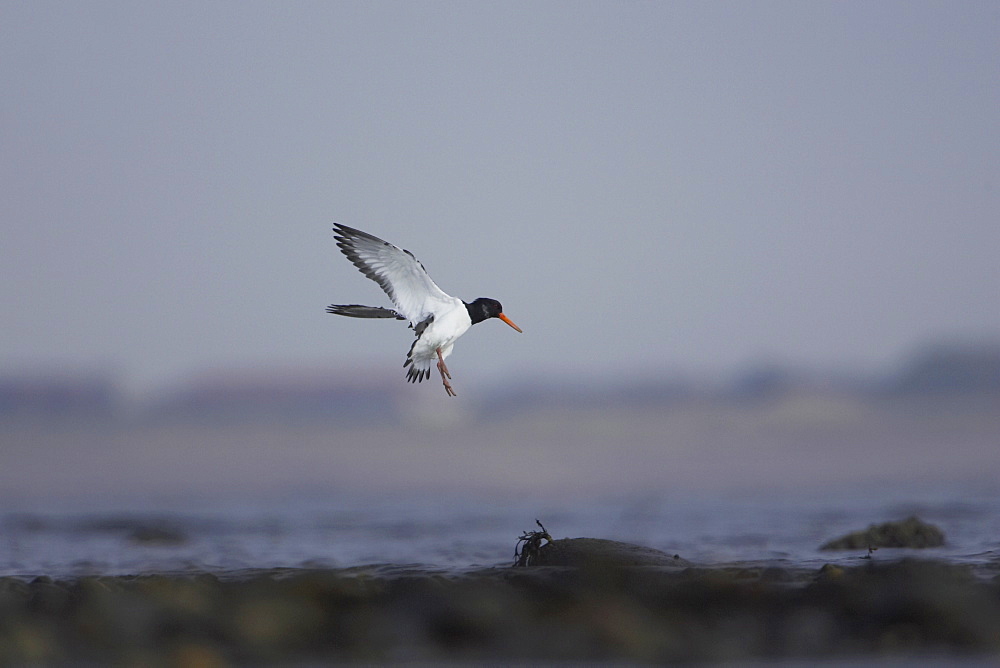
[438, 319]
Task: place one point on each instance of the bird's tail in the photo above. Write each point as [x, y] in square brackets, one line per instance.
[358, 311]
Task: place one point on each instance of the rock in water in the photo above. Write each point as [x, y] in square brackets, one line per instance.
[911, 532]
[598, 552]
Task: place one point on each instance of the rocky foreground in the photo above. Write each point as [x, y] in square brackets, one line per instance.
[574, 600]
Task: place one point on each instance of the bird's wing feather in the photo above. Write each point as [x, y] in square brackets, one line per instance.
[396, 271]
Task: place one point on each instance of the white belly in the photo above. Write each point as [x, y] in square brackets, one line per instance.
[442, 333]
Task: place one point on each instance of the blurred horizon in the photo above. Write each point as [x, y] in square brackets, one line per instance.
[932, 422]
[946, 366]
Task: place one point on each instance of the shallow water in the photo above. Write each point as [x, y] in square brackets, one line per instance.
[227, 534]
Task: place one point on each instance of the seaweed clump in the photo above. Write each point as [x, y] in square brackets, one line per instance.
[528, 545]
[911, 532]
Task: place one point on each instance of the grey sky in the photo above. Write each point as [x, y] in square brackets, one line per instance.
[680, 186]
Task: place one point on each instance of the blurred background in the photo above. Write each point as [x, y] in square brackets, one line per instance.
[751, 246]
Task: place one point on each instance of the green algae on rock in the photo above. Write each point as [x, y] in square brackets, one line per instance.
[911, 532]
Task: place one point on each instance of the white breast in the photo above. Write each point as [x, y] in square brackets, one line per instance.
[448, 325]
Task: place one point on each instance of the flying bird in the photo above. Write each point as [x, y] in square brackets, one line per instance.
[438, 319]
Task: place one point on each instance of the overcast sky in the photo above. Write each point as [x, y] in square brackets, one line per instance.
[676, 186]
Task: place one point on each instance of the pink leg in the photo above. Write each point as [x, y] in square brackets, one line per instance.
[445, 375]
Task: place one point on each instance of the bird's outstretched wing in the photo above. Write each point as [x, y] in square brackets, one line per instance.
[396, 271]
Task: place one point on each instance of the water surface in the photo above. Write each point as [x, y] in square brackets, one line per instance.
[461, 531]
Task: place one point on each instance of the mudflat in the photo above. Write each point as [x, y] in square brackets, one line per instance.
[643, 607]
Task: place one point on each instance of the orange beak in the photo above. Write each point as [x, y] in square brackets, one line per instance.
[508, 321]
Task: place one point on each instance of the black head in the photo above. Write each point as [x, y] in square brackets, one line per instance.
[485, 308]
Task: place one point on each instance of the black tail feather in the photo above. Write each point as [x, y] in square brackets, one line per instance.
[359, 311]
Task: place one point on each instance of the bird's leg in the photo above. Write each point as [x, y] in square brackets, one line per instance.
[441, 366]
[445, 375]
